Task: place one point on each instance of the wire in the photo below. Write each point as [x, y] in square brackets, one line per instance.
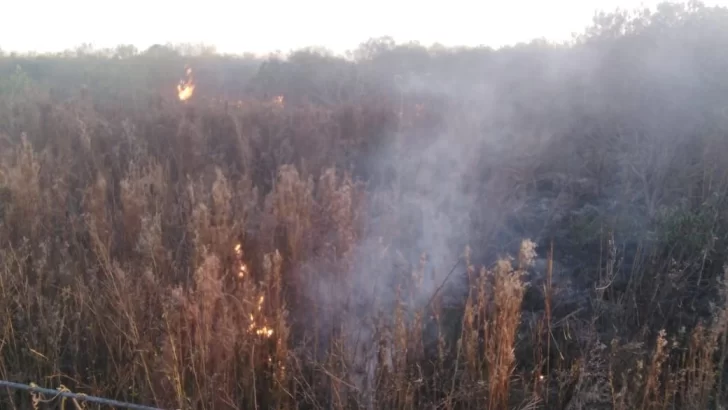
[77, 396]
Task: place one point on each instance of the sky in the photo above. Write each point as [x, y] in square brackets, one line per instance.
[265, 26]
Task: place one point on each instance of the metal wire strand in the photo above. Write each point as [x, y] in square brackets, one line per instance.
[77, 396]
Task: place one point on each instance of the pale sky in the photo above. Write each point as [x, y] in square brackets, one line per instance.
[263, 26]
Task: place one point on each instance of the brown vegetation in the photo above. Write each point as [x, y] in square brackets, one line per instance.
[221, 254]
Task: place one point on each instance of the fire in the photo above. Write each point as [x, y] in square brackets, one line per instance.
[186, 87]
[254, 326]
[242, 267]
[278, 101]
[264, 331]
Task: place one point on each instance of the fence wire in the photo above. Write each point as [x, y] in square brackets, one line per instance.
[76, 396]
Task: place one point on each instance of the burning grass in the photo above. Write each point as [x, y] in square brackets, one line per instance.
[195, 292]
[186, 87]
[202, 253]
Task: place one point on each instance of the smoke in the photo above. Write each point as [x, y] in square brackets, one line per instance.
[525, 140]
[416, 229]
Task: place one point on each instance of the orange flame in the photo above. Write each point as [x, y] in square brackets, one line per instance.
[279, 101]
[264, 331]
[242, 267]
[186, 87]
[242, 270]
[253, 327]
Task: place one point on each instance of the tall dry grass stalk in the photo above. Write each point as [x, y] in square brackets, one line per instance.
[22, 179]
[292, 207]
[508, 293]
[491, 320]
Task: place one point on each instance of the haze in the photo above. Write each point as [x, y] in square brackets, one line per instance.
[262, 27]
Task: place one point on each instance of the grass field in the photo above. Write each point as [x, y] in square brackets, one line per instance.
[535, 227]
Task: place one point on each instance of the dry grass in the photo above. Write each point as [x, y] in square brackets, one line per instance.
[254, 256]
[102, 299]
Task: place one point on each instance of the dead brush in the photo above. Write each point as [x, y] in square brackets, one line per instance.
[165, 254]
[702, 365]
[98, 220]
[681, 372]
[491, 320]
[141, 194]
[291, 205]
[21, 179]
[224, 340]
[508, 294]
